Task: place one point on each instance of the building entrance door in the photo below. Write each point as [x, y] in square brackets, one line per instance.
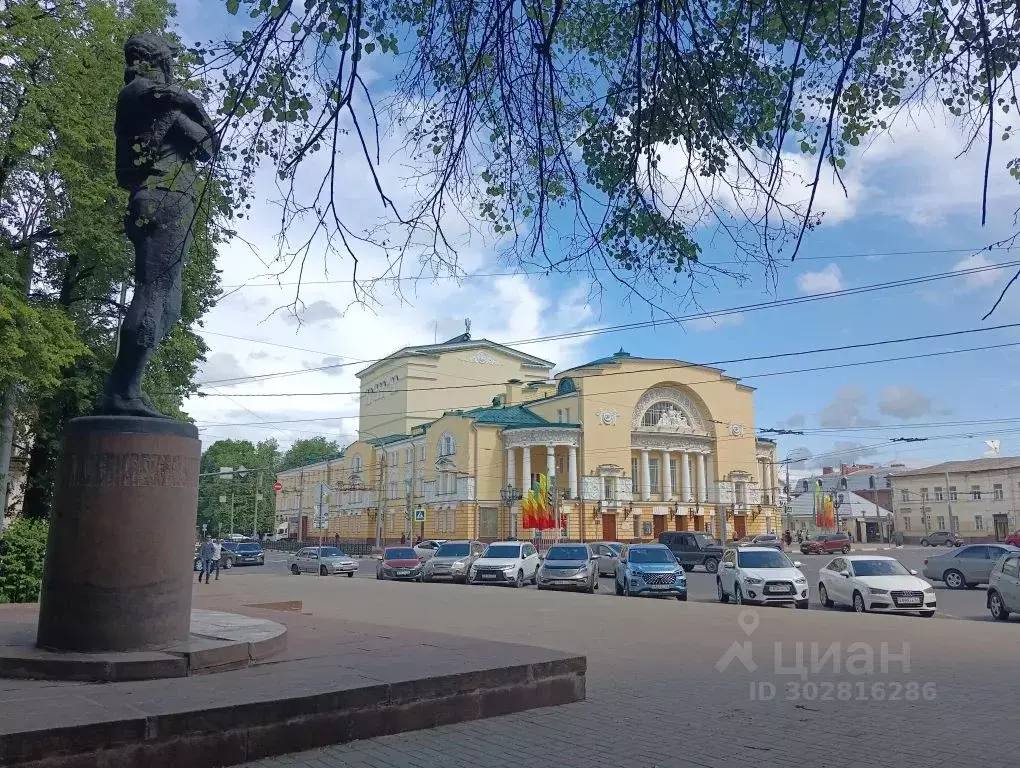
[658, 525]
[682, 522]
[1001, 527]
[739, 527]
[609, 527]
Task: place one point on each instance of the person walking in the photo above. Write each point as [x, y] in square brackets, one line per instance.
[217, 554]
[205, 554]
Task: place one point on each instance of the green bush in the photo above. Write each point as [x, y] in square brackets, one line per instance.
[22, 548]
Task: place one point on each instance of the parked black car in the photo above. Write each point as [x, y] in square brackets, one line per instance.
[245, 552]
[693, 548]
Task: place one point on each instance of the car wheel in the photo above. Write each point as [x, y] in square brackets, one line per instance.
[229, 564]
[823, 597]
[598, 583]
[927, 614]
[738, 595]
[711, 565]
[688, 568]
[924, 542]
[323, 571]
[997, 607]
[803, 605]
[846, 550]
[591, 586]
[350, 574]
[519, 581]
[626, 588]
[682, 598]
[295, 570]
[720, 592]
[954, 579]
[859, 605]
[619, 589]
[378, 576]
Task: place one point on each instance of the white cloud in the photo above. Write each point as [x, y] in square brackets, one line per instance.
[979, 279]
[715, 323]
[904, 402]
[316, 312]
[220, 366]
[823, 281]
[845, 409]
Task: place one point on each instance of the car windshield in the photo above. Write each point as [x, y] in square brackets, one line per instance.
[650, 556]
[771, 559]
[704, 539]
[248, 547]
[616, 547]
[401, 553]
[501, 551]
[766, 537]
[454, 550]
[567, 553]
[879, 568]
[331, 552]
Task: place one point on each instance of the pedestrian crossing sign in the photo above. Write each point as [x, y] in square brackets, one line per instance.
[419, 515]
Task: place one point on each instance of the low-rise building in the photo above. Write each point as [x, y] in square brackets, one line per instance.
[978, 499]
[634, 446]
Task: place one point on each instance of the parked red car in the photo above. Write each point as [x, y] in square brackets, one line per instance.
[1014, 539]
[399, 564]
[826, 544]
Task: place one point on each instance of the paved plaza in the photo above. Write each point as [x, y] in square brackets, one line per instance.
[681, 684]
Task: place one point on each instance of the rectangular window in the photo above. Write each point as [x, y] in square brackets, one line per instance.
[979, 523]
[393, 490]
[975, 493]
[952, 493]
[904, 494]
[421, 453]
[906, 523]
[637, 526]
[672, 477]
[421, 486]
[955, 522]
[633, 475]
[566, 415]
[938, 494]
[924, 494]
[559, 415]
[607, 488]
[653, 475]
[408, 455]
[940, 522]
[997, 491]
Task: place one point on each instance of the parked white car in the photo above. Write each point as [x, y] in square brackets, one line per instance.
[761, 576]
[872, 583]
[326, 561]
[426, 549]
[506, 562]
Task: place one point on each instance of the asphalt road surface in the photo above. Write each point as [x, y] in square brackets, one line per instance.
[952, 604]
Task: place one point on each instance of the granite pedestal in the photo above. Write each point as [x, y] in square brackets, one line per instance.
[119, 557]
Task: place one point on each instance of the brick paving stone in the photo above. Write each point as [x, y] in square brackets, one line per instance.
[655, 698]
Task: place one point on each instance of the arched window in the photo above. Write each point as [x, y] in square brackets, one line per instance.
[356, 464]
[665, 414]
[447, 445]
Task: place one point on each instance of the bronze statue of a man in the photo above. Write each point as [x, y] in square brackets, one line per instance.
[162, 131]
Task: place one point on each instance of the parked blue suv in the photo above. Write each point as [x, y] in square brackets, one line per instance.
[650, 569]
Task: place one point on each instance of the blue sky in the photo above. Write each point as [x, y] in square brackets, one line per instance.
[907, 192]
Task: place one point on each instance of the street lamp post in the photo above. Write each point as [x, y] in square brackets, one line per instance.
[508, 496]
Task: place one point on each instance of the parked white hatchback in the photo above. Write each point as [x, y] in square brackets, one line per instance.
[506, 562]
[761, 576]
[873, 583]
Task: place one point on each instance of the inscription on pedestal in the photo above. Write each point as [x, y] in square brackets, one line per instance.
[130, 470]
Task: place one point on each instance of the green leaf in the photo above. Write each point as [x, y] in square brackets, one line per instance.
[233, 6]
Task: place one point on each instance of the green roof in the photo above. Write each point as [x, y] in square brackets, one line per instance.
[616, 357]
[508, 416]
[380, 441]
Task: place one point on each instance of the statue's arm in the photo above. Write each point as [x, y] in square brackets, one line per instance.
[203, 140]
[175, 97]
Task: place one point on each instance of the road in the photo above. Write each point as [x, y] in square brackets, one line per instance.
[953, 604]
[666, 687]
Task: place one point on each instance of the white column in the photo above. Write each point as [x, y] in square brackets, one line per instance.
[526, 469]
[550, 460]
[646, 477]
[685, 478]
[511, 468]
[702, 480]
[572, 469]
[667, 479]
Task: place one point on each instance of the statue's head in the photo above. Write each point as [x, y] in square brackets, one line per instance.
[145, 55]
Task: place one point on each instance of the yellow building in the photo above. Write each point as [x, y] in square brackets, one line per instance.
[636, 446]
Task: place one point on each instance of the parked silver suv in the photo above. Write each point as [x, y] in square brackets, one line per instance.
[452, 560]
[1004, 587]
